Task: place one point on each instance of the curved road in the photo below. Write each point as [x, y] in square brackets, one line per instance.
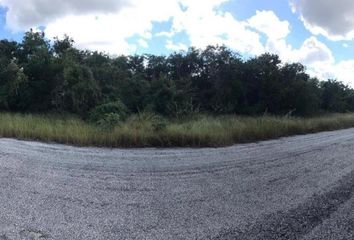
[292, 188]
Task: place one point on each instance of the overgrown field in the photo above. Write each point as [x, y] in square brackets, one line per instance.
[148, 130]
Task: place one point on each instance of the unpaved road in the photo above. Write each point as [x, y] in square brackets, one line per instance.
[293, 188]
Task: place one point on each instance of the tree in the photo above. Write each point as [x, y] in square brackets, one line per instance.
[62, 46]
[300, 94]
[334, 96]
[35, 56]
[38, 76]
[262, 81]
[80, 91]
[12, 80]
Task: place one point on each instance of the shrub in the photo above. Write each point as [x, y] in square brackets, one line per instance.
[109, 120]
[148, 121]
[158, 123]
[109, 114]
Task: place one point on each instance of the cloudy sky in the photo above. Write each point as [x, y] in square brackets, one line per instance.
[318, 33]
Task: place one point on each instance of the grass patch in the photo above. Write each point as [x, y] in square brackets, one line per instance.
[146, 130]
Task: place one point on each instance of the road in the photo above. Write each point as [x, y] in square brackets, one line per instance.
[292, 188]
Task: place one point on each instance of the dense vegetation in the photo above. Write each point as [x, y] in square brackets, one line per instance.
[147, 130]
[186, 98]
[36, 76]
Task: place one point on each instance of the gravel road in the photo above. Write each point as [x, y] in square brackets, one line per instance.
[292, 188]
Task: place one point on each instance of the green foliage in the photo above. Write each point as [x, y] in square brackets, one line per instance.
[335, 96]
[109, 115]
[35, 57]
[37, 76]
[80, 91]
[62, 46]
[150, 130]
[12, 79]
[109, 121]
[148, 120]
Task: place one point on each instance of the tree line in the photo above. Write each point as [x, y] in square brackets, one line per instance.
[37, 76]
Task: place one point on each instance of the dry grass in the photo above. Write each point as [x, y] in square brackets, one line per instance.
[146, 130]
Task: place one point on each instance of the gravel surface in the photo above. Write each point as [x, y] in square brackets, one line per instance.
[292, 188]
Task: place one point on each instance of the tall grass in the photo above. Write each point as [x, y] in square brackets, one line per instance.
[147, 130]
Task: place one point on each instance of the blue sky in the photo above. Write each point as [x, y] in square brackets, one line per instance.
[318, 33]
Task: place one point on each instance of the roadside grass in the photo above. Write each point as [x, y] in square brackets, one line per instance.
[147, 130]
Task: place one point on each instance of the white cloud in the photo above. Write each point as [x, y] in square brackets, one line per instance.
[109, 32]
[165, 34]
[313, 51]
[106, 25]
[268, 23]
[90, 33]
[319, 60]
[344, 71]
[333, 19]
[277, 31]
[205, 25]
[176, 46]
[143, 43]
[31, 13]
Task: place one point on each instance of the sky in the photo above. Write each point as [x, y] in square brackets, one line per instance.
[317, 33]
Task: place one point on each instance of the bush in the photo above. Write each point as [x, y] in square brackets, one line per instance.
[109, 121]
[148, 121]
[109, 114]
[150, 130]
[158, 123]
